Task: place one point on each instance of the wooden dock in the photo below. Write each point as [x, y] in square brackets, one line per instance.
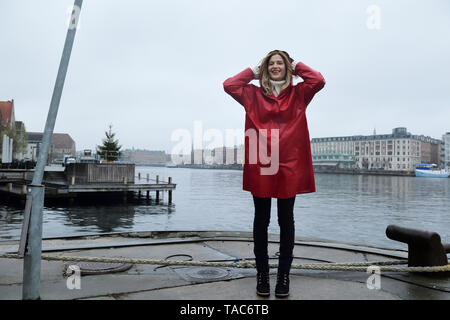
[77, 180]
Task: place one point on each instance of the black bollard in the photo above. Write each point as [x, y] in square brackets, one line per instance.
[424, 247]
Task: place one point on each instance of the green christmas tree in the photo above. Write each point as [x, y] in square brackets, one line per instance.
[110, 150]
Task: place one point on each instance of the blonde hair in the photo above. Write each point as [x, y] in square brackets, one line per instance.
[264, 69]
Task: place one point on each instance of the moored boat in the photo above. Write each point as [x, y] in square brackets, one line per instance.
[430, 171]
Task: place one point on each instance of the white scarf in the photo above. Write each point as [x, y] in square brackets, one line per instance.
[276, 86]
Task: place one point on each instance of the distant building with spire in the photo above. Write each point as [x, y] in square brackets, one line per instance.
[398, 151]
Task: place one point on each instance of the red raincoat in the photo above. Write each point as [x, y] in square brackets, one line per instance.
[287, 113]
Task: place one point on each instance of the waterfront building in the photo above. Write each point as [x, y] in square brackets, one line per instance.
[20, 141]
[144, 157]
[12, 134]
[221, 155]
[180, 159]
[7, 118]
[234, 155]
[62, 145]
[230, 155]
[209, 155]
[240, 156]
[333, 160]
[398, 151]
[6, 131]
[197, 156]
[224, 155]
[218, 156]
[446, 150]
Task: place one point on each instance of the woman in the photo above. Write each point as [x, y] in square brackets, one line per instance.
[275, 123]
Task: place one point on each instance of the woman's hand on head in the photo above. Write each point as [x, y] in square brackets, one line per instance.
[293, 64]
[257, 69]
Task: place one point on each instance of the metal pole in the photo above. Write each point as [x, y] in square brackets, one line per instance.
[32, 257]
[32, 237]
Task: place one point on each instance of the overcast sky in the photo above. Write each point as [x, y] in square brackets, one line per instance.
[152, 67]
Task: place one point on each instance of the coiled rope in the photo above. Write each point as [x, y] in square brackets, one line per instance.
[385, 266]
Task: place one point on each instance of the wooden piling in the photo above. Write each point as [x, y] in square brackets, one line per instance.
[157, 191]
[170, 191]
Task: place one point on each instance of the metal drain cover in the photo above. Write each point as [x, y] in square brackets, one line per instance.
[87, 268]
[206, 274]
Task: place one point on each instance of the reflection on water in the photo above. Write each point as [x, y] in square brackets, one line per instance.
[359, 208]
[103, 218]
[350, 208]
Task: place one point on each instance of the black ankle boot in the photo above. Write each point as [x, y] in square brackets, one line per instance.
[282, 287]
[262, 284]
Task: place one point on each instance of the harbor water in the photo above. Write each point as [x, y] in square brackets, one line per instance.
[345, 208]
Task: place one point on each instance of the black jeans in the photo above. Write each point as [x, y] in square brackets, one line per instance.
[285, 209]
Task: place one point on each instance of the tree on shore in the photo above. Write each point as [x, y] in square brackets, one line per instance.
[17, 133]
[110, 150]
